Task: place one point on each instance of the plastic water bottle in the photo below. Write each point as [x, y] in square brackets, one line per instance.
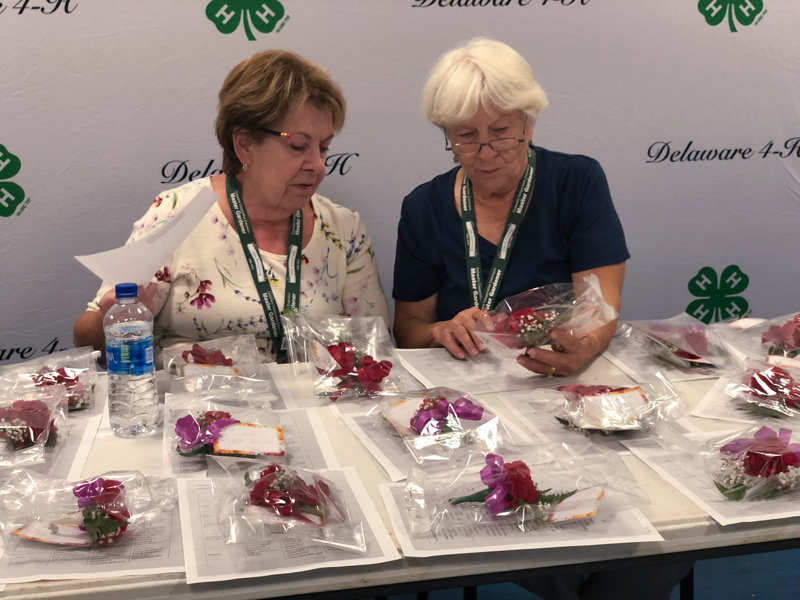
[132, 399]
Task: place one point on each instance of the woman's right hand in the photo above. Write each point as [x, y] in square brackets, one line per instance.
[458, 334]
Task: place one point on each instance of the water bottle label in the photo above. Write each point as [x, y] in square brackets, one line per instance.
[130, 357]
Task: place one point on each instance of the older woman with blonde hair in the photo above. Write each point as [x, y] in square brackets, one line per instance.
[278, 113]
[511, 216]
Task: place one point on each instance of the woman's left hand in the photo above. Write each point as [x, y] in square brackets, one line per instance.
[568, 354]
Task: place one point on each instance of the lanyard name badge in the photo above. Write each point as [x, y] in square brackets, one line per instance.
[257, 270]
[484, 298]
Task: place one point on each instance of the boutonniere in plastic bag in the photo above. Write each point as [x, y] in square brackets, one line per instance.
[763, 465]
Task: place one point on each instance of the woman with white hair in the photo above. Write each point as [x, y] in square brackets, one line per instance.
[541, 217]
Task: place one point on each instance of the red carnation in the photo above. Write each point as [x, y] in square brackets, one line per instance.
[371, 372]
[774, 382]
[215, 415]
[522, 486]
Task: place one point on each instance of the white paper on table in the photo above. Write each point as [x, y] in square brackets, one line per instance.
[287, 398]
[139, 261]
[716, 404]
[150, 551]
[209, 558]
[385, 447]
[305, 440]
[481, 374]
[687, 475]
[623, 527]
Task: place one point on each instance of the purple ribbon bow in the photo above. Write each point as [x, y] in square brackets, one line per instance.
[429, 422]
[87, 491]
[493, 475]
[192, 435]
[784, 435]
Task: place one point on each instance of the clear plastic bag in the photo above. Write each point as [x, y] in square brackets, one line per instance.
[33, 422]
[685, 343]
[436, 423]
[236, 425]
[259, 500]
[102, 511]
[766, 390]
[210, 364]
[527, 485]
[756, 463]
[526, 319]
[611, 409]
[781, 338]
[75, 370]
[352, 358]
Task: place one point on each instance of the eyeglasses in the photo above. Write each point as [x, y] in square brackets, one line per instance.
[273, 132]
[470, 148]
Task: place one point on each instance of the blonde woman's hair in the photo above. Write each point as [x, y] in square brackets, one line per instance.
[483, 73]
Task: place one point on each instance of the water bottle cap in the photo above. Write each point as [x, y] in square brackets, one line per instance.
[126, 290]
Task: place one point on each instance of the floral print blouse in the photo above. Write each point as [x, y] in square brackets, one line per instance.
[206, 291]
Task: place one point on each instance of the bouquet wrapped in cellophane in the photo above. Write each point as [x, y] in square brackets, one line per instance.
[766, 390]
[436, 423]
[231, 361]
[526, 319]
[33, 424]
[528, 486]
[100, 511]
[762, 461]
[683, 342]
[352, 358]
[258, 500]
[609, 409]
[75, 370]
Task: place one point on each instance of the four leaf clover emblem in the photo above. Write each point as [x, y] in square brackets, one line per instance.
[718, 297]
[261, 15]
[11, 194]
[742, 11]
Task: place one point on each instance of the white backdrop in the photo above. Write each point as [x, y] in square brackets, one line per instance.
[105, 103]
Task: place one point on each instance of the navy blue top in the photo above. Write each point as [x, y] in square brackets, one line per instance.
[570, 226]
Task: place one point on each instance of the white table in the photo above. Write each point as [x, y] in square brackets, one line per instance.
[688, 532]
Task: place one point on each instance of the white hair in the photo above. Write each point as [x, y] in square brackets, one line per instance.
[484, 73]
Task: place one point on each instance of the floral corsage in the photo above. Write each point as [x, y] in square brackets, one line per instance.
[26, 423]
[763, 466]
[80, 395]
[509, 488]
[358, 373]
[217, 432]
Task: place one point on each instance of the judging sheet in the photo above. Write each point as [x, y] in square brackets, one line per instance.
[716, 404]
[621, 528]
[305, 440]
[685, 472]
[481, 374]
[209, 558]
[156, 548]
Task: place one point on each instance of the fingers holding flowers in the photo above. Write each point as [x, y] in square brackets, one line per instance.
[458, 334]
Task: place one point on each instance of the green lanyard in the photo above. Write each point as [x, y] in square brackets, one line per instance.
[480, 297]
[293, 256]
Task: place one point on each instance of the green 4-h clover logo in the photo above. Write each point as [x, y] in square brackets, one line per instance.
[718, 298]
[11, 194]
[743, 11]
[261, 15]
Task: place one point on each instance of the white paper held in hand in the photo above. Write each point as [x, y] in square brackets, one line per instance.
[139, 261]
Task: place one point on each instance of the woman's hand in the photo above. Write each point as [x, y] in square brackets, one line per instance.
[568, 354]
[458, 334]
